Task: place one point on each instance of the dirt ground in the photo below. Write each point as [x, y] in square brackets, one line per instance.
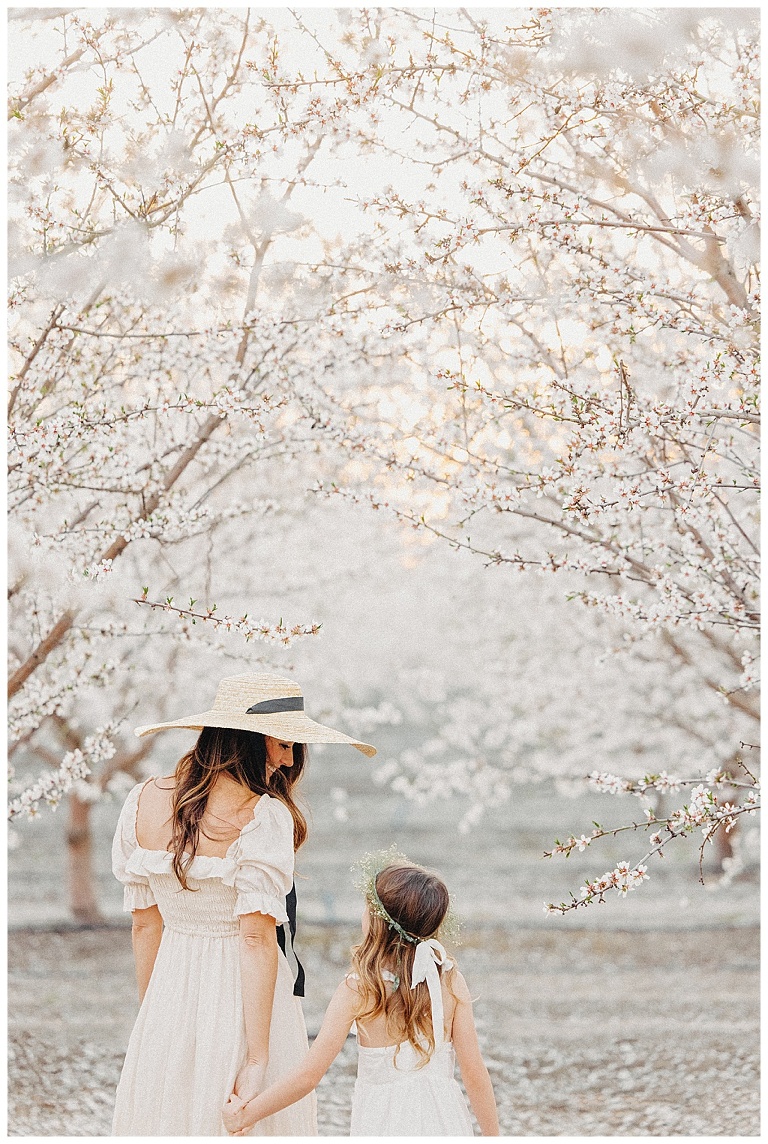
[585, 1033]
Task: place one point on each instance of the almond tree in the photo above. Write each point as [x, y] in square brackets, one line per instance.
[537, 346]
[562, 204]
[150, 379]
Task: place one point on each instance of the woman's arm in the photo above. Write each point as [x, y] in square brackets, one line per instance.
[258, 974]
[146, 932]
[477, 1082]
[239, 1118]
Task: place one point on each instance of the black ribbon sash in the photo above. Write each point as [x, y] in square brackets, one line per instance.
[285, 936]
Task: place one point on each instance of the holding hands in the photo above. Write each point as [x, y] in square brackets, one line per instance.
[237, 1116]
[248, 1084]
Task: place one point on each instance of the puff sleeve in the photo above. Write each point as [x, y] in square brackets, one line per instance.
[137, 893]
[264, 861]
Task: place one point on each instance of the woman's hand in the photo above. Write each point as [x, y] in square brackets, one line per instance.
[236, 1118]
[250, 1080]
[248, 1084]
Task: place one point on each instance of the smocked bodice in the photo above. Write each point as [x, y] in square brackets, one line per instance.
[207, 908]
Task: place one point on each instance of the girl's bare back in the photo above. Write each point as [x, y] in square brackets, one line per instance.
[374, 1034]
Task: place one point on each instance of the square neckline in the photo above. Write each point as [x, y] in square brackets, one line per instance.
[214, 857]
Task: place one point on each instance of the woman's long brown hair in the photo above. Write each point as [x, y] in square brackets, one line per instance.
[243, 756]
[418, 901]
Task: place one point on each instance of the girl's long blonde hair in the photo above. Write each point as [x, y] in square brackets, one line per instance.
[418, 901]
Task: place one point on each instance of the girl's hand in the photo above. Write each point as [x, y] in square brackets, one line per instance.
[250, 1080]
[229, 1113]
[236, 1117]
[238, 1120]
[248, 1083]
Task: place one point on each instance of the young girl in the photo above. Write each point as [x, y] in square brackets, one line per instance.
[412, 1010]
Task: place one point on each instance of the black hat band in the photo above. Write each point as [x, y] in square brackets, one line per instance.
[274, 706]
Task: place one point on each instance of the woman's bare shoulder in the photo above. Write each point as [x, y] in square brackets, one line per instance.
[154, 807]
[156, 791]
[163, 782]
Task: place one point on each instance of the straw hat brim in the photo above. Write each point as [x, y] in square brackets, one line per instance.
[292, 725]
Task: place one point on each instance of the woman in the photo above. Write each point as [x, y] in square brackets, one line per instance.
[206, 857]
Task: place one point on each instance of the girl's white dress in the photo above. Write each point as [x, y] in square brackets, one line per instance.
[393, 1097]
[189, 1038]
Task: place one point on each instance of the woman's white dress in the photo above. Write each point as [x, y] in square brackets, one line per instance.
[394, 1097]
[189, 1038]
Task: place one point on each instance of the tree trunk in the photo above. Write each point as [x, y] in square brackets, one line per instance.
[724, 845]
[83, 901]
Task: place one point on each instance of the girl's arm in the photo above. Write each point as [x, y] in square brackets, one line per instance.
[258, 974]
[146, 932]
[239, 1117]
[473, 1071]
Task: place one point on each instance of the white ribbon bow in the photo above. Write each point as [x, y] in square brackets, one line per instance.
[430, 954]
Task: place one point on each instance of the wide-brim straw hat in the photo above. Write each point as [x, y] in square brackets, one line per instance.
[266, 703]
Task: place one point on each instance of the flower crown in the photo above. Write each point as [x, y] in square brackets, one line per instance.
[366, 871]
